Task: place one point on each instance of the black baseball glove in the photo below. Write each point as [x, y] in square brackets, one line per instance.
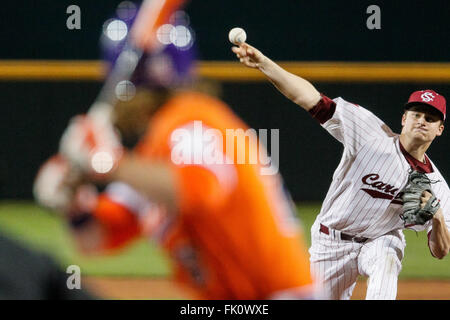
[413, 213]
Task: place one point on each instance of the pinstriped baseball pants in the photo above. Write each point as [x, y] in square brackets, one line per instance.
[337, 264]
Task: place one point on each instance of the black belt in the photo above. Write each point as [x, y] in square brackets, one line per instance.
[346, 237]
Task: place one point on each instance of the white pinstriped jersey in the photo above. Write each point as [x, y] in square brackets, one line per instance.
[364, 198]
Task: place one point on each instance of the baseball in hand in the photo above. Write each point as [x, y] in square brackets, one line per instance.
[237, 36]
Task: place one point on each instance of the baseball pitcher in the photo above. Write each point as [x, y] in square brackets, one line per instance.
[384, 183]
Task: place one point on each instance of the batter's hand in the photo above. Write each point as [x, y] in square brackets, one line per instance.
[61, 188]
[91, 145]
[50, 188]
[248, 55]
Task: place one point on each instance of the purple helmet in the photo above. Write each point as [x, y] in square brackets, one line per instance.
[170, 66]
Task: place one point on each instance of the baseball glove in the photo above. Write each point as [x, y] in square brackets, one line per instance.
[413, 213]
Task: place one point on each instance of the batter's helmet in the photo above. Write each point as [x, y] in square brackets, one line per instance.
[171, 66]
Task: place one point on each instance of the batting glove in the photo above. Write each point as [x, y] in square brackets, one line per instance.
[91, 145]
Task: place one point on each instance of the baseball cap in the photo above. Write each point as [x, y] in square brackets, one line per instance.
[428, 97]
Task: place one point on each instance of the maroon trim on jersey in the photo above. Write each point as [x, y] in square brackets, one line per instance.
[323, 110]
[378, 194]
[429, 236]
[416, 164]
[381, 195]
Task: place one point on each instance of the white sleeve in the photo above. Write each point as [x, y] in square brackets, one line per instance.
[354, 126]
[127, 196]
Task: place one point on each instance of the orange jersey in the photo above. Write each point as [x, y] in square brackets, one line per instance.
[234, 235]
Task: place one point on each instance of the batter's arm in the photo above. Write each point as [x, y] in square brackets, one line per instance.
[153, 179]
[115, 223]
[295, 88]
[440, 236]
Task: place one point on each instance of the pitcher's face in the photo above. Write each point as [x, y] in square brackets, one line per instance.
[422, 124]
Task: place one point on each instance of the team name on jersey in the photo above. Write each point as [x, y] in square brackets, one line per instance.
[380, 189]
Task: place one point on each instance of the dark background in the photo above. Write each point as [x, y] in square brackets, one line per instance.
[285, 29]
[34, 114]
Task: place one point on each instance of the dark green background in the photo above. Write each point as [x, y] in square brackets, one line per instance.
[285, 29]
